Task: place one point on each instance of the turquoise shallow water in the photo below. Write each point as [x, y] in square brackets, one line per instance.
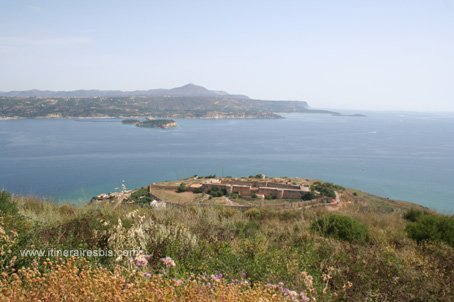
[407, 156]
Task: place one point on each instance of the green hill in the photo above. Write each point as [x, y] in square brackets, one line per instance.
[367, 249]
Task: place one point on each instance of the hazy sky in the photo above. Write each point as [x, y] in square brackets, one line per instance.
[395, 54]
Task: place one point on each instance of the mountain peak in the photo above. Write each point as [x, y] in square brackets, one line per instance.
[191, 85]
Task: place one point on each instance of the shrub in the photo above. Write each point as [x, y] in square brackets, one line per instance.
[253, 213]
[309, 196]
[215, 192]
[428, 227]
[7, 207]
[326, 189]
[141, 196]
[234, 196]
[182, 188]
[341, 227]
[413, 215]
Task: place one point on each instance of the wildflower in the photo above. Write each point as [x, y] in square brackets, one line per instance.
[290, 293]
[147, 275]
[168, 262]
[178, 282]
[217, 277]
[141, 260]
[304, 297]
[243, 275]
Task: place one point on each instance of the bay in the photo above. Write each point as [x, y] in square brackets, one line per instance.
[406, 156]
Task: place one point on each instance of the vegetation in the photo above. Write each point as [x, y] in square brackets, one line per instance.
[222, 253]
[326, 189]
[182, 188]
[77, 281]
[152, 106]
[7, 207]
[198, 190]
[342, 228]
[141, 196]
[158, 123]
[216, 192]
[309, 196]
[424, 226]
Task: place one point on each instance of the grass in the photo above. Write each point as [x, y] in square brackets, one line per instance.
[262, 253]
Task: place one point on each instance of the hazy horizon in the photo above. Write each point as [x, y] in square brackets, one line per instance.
[386, 55]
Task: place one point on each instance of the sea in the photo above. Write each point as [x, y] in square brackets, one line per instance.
[398, 155]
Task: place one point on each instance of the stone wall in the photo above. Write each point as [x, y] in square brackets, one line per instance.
[246, 188]
[242, 190]
[294, 194]
[262, 184]
[283, 186]
[273, 192]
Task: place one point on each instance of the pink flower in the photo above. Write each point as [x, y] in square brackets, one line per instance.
[147, 275]
[168, 262]
[178, 282]
[304, 297]
[217, 277]
[141, 260]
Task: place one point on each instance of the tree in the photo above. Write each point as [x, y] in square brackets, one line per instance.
[182, 188]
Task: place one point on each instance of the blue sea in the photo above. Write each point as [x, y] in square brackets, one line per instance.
[405, 156]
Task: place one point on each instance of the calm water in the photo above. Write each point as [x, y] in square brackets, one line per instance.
[404, 156]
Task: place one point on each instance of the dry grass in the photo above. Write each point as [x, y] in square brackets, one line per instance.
[76, 281]
[268, 245]
[174, 197]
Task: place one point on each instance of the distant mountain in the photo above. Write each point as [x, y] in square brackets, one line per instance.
[188, 101]
[189, 90]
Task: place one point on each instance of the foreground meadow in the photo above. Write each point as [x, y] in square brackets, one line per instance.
[370, 249]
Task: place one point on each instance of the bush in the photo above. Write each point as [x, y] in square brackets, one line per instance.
[7, 207]
[326, 189]
[215, 192]
[234, 196]
[341, 227]
[182, 188]
[141, 196]
[309, 196]
[413, 215]
[428, 227]
[254, 213]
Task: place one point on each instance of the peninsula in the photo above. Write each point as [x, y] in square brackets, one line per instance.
[189, 101]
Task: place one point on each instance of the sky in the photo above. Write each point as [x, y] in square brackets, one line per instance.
[366, 55]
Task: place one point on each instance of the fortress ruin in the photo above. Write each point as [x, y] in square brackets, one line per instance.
[274, 190]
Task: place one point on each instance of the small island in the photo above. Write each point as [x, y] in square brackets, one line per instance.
[151, 123]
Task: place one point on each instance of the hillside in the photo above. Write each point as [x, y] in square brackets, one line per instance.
[365, 248]
[189, 101]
